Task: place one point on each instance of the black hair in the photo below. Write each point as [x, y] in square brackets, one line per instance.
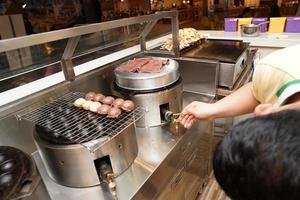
[259, 159]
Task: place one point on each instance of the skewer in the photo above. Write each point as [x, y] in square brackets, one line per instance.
[176, 115]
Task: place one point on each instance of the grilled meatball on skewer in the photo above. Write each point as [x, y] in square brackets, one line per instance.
[108, 100]
[99, 97]
[94, 106]
[86, 105]
[79, 102]
[90, 96]
[114, 112]
[118, 102]
[103, 109]
[128, 106]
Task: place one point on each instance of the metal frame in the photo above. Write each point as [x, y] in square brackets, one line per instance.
[66, 60]
[175, 34]
[74, 34]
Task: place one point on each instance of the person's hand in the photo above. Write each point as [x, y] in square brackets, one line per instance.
[264, 109]
[196, 111]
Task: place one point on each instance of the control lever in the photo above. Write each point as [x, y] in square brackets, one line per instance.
[112, 184]
[106, 175]
[169, 114]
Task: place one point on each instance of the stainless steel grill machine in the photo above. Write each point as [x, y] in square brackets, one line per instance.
[232, 55]
[80, 148]
[158, 93]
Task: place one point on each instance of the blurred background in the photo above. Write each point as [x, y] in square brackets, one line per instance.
[26, 17]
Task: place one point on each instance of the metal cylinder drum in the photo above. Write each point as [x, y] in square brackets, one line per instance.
[156, 92]
[74, 165]
[154, 102]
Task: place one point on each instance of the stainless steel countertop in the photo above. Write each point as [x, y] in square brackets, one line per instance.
[154, 145]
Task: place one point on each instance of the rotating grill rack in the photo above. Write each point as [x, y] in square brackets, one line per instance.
[62, 123]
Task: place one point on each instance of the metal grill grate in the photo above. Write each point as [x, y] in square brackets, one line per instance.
[63, 120]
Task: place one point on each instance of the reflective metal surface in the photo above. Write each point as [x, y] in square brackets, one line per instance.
[66, 60]
[250, 30]
[129, 181]
[186, 167]
[232, 56]
[229, 72]
[161, 152]
[228, 51]
[155, 102]
[199, 75]
[148, 81]
[75, 166]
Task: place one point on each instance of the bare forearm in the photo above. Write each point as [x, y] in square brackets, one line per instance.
[239, 102]
[292, 106]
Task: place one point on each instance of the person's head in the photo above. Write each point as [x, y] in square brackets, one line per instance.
[260, 158]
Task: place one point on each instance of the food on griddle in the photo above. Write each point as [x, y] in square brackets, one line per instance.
[90, 96]
[118, 102]
[109, 105]
[128, 106]
[86, 105]
[108, 100]
[153, 66]
[103, 109]
[99, 97]
[133, 65]
[79, 102]
[114, 112]
[143, 65]
[94, 106]
[187, 37]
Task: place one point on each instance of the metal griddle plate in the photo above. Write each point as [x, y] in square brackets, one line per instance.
[222, 50]
[148, 81]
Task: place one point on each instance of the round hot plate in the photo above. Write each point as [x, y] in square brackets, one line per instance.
[168, 74]
[15, 167]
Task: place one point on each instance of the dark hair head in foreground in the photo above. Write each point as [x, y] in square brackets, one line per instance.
[260, 158]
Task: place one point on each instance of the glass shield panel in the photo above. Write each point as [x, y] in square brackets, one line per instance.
[105, 42]
[24, 65]
[102, 43]
[161, 28]
[21, 66]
